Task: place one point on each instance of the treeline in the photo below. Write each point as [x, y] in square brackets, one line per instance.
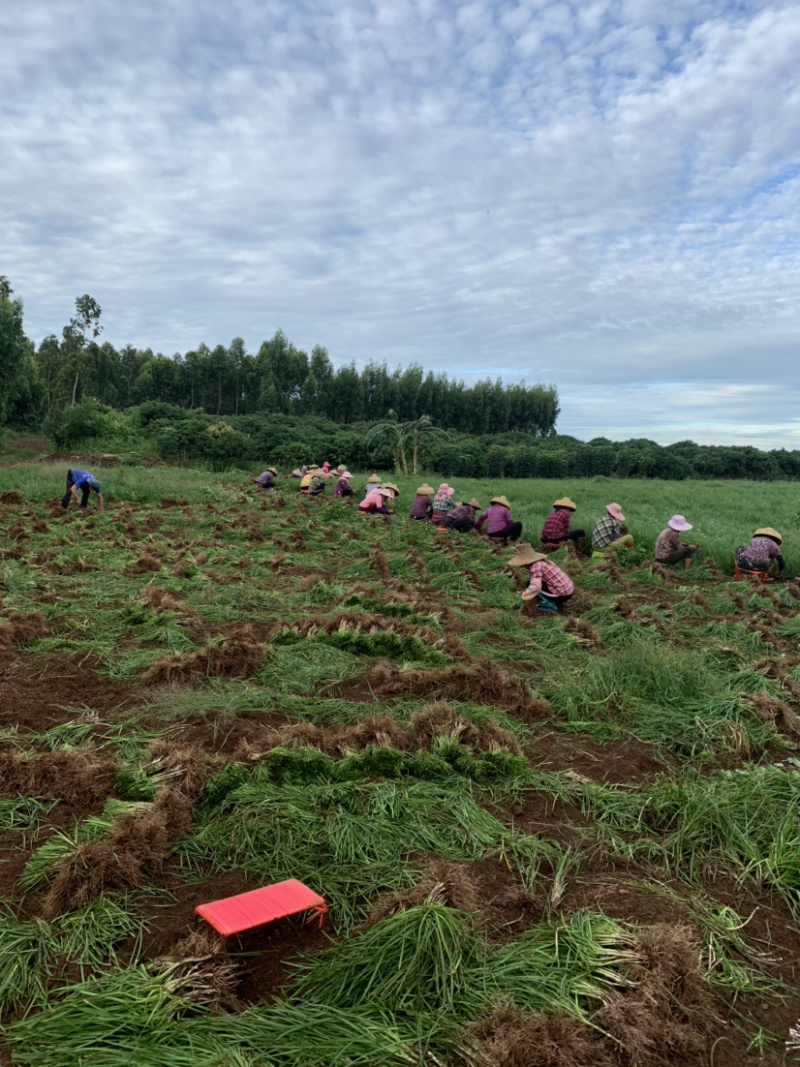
[176, 435]
[228, 381]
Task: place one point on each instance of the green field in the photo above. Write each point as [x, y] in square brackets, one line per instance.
[543, 841]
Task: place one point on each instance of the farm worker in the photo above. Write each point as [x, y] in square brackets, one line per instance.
[308, 474]
[375, 502]
[462, 517]
[326, 466]
[548, 585]
[267, 479]
[499, 524]
[84, 481]
[304, 470]
[372, 483]
[556, 526]
[607, 534]
[763, 552]
[669, 547]
[317, 484]
[442, 502]
[394, 494]
[342, 486]
[296, 473]
[421, 506]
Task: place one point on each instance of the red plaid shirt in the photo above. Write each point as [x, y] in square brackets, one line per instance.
[556, 525]
[553, 580]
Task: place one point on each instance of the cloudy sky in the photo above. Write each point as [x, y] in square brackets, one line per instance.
[600, 195]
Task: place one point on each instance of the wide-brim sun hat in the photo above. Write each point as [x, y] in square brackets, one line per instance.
[679, 523]
[500, 500]
[425, 490]
[615, 511]
[345, 474]
[445, 490]
[341, 468]
[474, 503]
[272, 470]
[767, 531]
[565, 502]
[392, 486]
[373, 480]
[525, 555]
[384, 491]
[297, 473]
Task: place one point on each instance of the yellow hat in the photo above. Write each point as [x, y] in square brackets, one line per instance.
[767, 531]
[425, 490]
[500, 500]
[565, 502]
[524, 555]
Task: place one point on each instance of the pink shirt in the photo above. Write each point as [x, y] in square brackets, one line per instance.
[373, 499]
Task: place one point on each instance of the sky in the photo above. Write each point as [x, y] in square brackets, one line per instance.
[601, 195]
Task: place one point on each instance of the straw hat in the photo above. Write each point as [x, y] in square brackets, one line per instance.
[392, 486]
[272, 470]
[425, 490]
[445, 490]
[677, 522]
[341, 468]
[565, 502]
[373, 480]
[615, 511]
[524, 555]
[767, 531]
[474, 503]
[313, 467]
[500, 500]
[296, 473]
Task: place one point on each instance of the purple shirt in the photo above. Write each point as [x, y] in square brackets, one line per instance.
[762, 549]
[421, 507]
[267, 478]
[497, 517]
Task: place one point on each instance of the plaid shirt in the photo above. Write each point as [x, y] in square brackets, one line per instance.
[463, 511]
[553, 580]
[496, 517]
[605, 531]
[556, 525]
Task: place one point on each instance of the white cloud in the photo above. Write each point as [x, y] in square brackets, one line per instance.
[594, 195]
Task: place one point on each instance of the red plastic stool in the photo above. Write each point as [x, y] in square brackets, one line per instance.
[739, 572]
[232, 915]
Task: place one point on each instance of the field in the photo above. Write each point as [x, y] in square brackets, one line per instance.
[544, 842]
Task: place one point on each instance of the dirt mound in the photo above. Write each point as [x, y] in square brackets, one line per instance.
[21, 630]
[187, 765]
[484, 682]
[74, 774]
[512, 1038]
[663, 1017]
[435, 721]
[168, 502]
[362, 623]
[585, 633]
[237, 656]
[11, 496]
[441, 883]
[130, 855]
[146, 562]
[778, 714]
[201, 970]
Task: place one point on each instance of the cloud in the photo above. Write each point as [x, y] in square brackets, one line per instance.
[604, 196]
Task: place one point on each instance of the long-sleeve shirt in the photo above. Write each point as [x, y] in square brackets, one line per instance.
[463, 511]
[545, 575]
[667, 542]
[265, 479]
[496, 517]
[421, 507]
[556, 525]
[763, 550]
[373, 500]
[340, 486]
[605, 531]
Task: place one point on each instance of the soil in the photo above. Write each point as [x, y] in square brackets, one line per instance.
[42, 691]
